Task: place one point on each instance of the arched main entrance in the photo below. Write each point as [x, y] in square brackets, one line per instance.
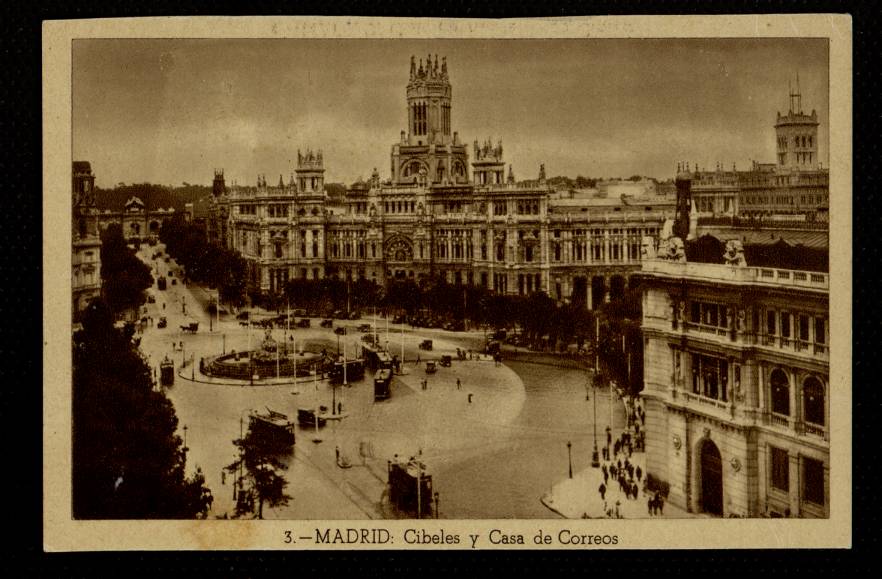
[711, 500]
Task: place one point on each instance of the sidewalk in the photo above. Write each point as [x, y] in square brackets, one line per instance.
[579, 497]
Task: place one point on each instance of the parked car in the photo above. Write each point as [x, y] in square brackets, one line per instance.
[327, 323]
[455, 326]
[151, 299]
[340, 331]
[446, 361]
[399, 319]
[354, 316]
[303, 323]
[162, 322]
[426, 345]
[243, 315]
[431, 368]
[365, 328]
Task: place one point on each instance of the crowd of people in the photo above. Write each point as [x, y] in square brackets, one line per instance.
[618, 468]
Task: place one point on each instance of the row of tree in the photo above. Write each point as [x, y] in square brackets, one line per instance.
[206, 263]
[128, 462]
[124, 277]
[542, 322]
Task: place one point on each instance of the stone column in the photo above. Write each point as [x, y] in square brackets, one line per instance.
[606, 287]
[606, 254]
[589, 289]
[795, 484]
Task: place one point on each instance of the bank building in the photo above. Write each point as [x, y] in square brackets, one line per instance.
[737, 339]
[446, 209]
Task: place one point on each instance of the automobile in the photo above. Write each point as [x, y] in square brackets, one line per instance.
[354, 316]
[426, 345]
[171, 273]
[174, 282]
[151, 299]
[399, 319]
[303, 323]
[455, 326]
[340, 331]
[365, 328]
[369, 338]
[327, 323]
[339, 315]
[243, 315]
[492, 348]
[161, 284]
[162, 322]
[431, 368]
[300, 312]
[446, 361]
[499, 335]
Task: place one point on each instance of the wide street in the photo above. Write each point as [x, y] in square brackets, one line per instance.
[493, 447]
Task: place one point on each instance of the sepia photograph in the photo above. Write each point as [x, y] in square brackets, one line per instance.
[373, 284]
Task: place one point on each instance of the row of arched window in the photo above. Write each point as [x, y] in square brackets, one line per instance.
[812, 397]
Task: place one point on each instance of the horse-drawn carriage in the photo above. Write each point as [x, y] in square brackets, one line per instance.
[192, 327]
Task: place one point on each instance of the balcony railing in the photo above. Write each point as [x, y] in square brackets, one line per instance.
[779, 420]
[704, 400]
[815, 430]
[743, 275]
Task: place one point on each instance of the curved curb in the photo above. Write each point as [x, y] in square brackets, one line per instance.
[544, 502]
[243, 383]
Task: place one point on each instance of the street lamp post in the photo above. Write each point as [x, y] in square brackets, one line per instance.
[570, 456]
[595, 457]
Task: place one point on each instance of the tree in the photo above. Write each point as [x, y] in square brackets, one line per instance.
[124, 277]
[259, 453]
[128, 463]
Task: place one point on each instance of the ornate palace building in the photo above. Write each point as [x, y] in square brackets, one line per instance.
[136, 220]
[431, 217]
[86, 254]
[794, 189]
[737, 376]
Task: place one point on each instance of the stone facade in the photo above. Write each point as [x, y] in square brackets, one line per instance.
[431, 218]
[794, 189]
[737, 387]
[136, 220]
[86, 248]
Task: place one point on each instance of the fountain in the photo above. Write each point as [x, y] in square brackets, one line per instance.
[271, 360]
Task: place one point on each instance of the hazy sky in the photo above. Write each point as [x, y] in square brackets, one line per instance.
[169, 111]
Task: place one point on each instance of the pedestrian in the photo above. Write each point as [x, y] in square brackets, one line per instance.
[639, 472]
[635, 490]
[650, 504]
[608, 436]
[470, 397]
[619, 464]
[661, 505]
[458, 384]
[618, 513]
[418, 360]
[602, 490]
[605, 476]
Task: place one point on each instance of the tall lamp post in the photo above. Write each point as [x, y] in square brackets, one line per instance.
[570, 456]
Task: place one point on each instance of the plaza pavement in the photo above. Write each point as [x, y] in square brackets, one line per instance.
[439, 422]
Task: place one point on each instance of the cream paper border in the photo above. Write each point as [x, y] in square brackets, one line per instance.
[61, 533]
